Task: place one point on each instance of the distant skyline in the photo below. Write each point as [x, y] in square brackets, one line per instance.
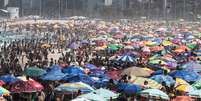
[153, 9]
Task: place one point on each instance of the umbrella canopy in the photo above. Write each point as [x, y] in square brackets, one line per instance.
[92, 97]
[79, 78]
[53, 75]
[115, 74]
[136, 71]
[184, 88]
[73, 70]
[34, 71]
[192, 66]
[26, 86]
[90, 66]
[150, 43]
[197, 52]
[140, 81]
[106, 94]
[157, 61]
[8, 78]
[167, 43]
[2, 83]
[126, 58]
[195, 93]
[80, 99]
[182, 98]
[114, 46]
[4, 92]
[186, 75]
[74, 87]
[154, 93]
[180, 81]
[163, 78]
[197, 84]
[129, 88]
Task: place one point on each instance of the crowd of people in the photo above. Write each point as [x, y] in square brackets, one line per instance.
[109, 45]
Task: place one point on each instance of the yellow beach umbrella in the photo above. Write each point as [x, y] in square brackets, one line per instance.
[141, 80]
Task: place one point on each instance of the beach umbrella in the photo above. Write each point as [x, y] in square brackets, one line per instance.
[197, 84]
[184, 88]
[4, 91]
[182, 98]
[75, 70]
[8, 78]
[53, 74]
[141, 80]
[188, 76]
[74, 87]
[197, 52]
[26, 86]
[129, 88]
[105, 93]
[79, 78]
[181, 49]
[148, 70]
[118, 36]
[192, 66]
[54, 68]
[154, 93]
[80, 99]
[114, 46]
[158, 72]
[114, 74]
[136, 71]
[164, 78]
[150, 43]
[34, 71]
[92, 97]
[191, 46]
[157, 62]
[180, 81]
[156, 48]
[167, 43]
[195, 93]
[90, 66]
[2, 83]
[126, 58]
